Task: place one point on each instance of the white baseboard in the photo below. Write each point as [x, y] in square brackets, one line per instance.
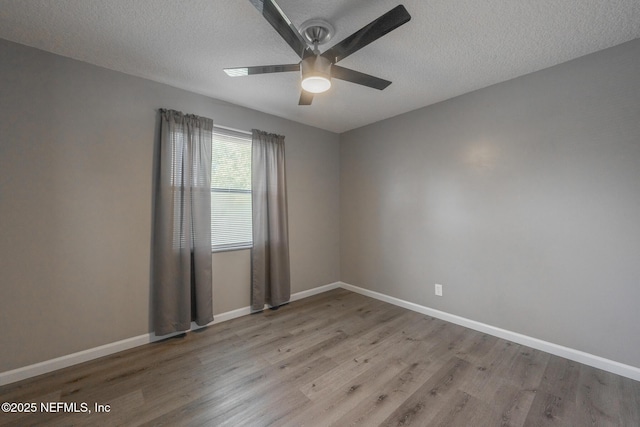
[558, 350]
[111, 348]
[315, 291]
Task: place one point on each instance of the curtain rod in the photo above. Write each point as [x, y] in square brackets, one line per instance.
[232, 129]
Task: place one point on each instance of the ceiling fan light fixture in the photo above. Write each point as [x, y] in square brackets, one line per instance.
[317, 69]
[316, 84]
[316, 74]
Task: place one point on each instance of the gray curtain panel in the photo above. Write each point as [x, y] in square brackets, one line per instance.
[182, 289]
[270, 282]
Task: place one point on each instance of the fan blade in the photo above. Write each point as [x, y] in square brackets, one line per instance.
[369, 33]
[279, 21]
[305, 98]
[262, 69]
[357, 77]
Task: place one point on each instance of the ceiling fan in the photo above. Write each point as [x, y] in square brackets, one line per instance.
[317, 69]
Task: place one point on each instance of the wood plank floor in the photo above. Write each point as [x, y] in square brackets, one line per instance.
[337, 358]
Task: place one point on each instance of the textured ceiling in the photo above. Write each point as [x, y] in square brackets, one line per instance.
[447, 49]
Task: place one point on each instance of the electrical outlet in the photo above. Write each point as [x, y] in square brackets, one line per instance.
[438, 290]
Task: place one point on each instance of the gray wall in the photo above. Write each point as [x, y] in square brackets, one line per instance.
[76, 159]
[522, 199]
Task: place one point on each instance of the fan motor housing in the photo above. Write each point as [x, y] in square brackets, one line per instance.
[316, 66]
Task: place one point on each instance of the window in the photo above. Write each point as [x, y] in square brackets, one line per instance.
[230, 190]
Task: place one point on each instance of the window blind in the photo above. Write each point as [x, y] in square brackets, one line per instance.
[230, 190]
